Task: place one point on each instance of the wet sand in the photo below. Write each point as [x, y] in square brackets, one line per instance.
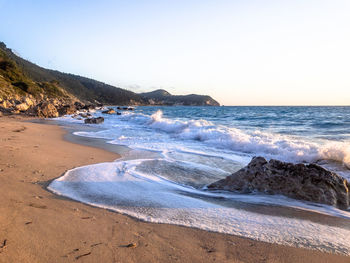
[38, 226]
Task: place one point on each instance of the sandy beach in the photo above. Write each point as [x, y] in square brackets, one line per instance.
[38, 226]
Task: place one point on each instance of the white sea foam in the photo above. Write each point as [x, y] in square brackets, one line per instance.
[202, 133]
[195, 153]
[123, 187]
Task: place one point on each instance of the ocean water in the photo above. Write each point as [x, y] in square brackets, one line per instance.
[176, 151]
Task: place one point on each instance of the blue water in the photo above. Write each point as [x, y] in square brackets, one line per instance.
[176, 151]
[294, 134]
[331, 123]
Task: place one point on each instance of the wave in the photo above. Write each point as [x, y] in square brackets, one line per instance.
[167, 187]
[122, 187]
[270, 145]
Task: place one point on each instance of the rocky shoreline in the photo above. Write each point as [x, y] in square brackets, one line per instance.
[43, 107]
[299, 181]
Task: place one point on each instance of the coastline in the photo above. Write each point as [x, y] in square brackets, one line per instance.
[39, 226]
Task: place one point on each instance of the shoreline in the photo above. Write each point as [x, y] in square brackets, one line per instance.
[39, 226]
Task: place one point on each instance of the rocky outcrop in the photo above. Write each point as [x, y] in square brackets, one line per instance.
[44, 107]
[30, 101]
[16, 104]
[309, 182]
[46, 110]
[22, 107]
[6, 104]
[97, 120]
[67, 109]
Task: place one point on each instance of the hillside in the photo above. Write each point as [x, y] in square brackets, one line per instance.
[162, 97]
[15, 83]
[20, 79]
[85, 89]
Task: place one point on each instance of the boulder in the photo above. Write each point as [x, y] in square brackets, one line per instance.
[5, 111]
[55, 102]
[46, 110]
[6, 104]
[67, 109]
[109, 111]
[309, 182]
[29, 101]
[15, 101]
[97, 120]
[22, 107]
[84, 114]
[89, 107]
[78, 105]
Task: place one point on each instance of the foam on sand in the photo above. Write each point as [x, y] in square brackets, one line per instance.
[124, 187]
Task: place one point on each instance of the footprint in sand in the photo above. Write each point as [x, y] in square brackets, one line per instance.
[3, 245]
[19, 129]
[38, 206]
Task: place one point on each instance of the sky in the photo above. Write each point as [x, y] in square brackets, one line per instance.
[247, 52]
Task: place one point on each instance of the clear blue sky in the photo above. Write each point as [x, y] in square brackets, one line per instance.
[240, 52]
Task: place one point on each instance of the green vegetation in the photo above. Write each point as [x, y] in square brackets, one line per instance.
[19, 83]
[26, 77]
[163, 97]
[20, 77]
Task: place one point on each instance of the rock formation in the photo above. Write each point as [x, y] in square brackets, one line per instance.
[97, 120]
[46, 110]
[309, 182]
[44, 107]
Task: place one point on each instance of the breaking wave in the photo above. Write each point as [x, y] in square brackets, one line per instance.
[270, 145]
[167, 185]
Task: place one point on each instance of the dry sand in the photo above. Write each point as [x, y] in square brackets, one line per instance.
[38, 226]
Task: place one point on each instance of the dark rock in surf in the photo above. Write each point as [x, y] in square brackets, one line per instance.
[85, 114]
[109, 111]
[89, 107]
[309, 182]
[97, 120]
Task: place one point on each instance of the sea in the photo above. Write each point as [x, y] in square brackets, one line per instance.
[173, 152]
